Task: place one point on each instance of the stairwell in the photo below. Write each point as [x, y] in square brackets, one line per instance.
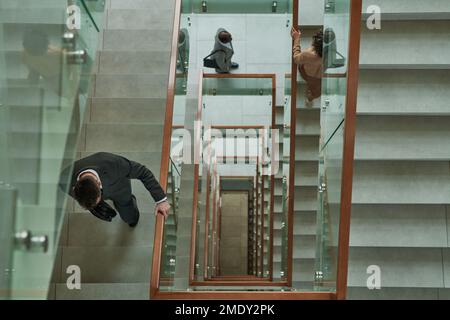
[401, 186]
[401, 189]
[125, 116]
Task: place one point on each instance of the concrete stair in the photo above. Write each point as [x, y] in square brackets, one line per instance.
[126, 117]
[305, 192]
[401, 180]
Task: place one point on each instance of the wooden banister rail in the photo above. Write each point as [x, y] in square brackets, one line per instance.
[349, 147]
[166, 143]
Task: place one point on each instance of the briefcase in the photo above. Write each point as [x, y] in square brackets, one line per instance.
[211, 63]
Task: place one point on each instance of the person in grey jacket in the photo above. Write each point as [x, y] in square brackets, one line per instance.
[224, 52]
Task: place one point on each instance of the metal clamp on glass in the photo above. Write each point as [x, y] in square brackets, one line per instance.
[69, 41]
[77, 57]
[24, 240]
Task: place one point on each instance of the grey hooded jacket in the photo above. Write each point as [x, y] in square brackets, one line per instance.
[223, 57]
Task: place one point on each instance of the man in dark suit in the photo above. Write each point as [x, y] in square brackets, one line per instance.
[106, 176]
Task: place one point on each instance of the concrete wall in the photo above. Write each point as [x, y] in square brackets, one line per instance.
[234, 233]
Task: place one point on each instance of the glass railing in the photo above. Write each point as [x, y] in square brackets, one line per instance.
[237, 6]
[334, 95]
[172, 191]
[257, 96]
[235, 106]
[45, 72]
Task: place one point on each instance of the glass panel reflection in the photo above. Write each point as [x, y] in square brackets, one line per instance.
[45, 72]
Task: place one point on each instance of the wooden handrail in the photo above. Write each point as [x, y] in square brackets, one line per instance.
[166, 143]
[349, 147]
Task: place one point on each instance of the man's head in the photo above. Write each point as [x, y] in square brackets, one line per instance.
[225, 37]
[318, 43]
[35, 42]
[87, 191]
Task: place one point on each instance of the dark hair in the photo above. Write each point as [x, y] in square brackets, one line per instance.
[225, 37]
[318, 43]
[35, 42]
[86, 192]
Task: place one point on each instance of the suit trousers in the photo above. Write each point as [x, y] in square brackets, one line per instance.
[127, 209]
[125, 203]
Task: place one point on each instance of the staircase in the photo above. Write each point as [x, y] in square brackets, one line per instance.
[401, 185]
[125, 116]
[306, 178]
[401, 190]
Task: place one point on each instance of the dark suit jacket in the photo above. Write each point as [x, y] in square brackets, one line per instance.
[115, 173]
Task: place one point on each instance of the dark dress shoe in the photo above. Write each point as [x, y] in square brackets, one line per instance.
[134, 224]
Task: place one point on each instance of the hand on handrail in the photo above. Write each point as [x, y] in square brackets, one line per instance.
[163, 208]
[296, 34]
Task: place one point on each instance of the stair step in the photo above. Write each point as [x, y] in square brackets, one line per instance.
[116, 233]
[131, 86]
[138, 19]
[142, 4]
[410, 10]
[406, 225]
[306, 198]
[27, 15]
[307, 148]
[308, 122]
[390, 44]
[109, 264]
[104, 291]
[425, 266]
[123, 137]
[399, 182]
[134, 62]
[137, 40]
[384, 92]
[306, 173]
[403, 138]
[32, 4]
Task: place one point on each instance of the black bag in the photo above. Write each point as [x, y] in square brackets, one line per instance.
[211, 63]
[103, 211]
[332, 58]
